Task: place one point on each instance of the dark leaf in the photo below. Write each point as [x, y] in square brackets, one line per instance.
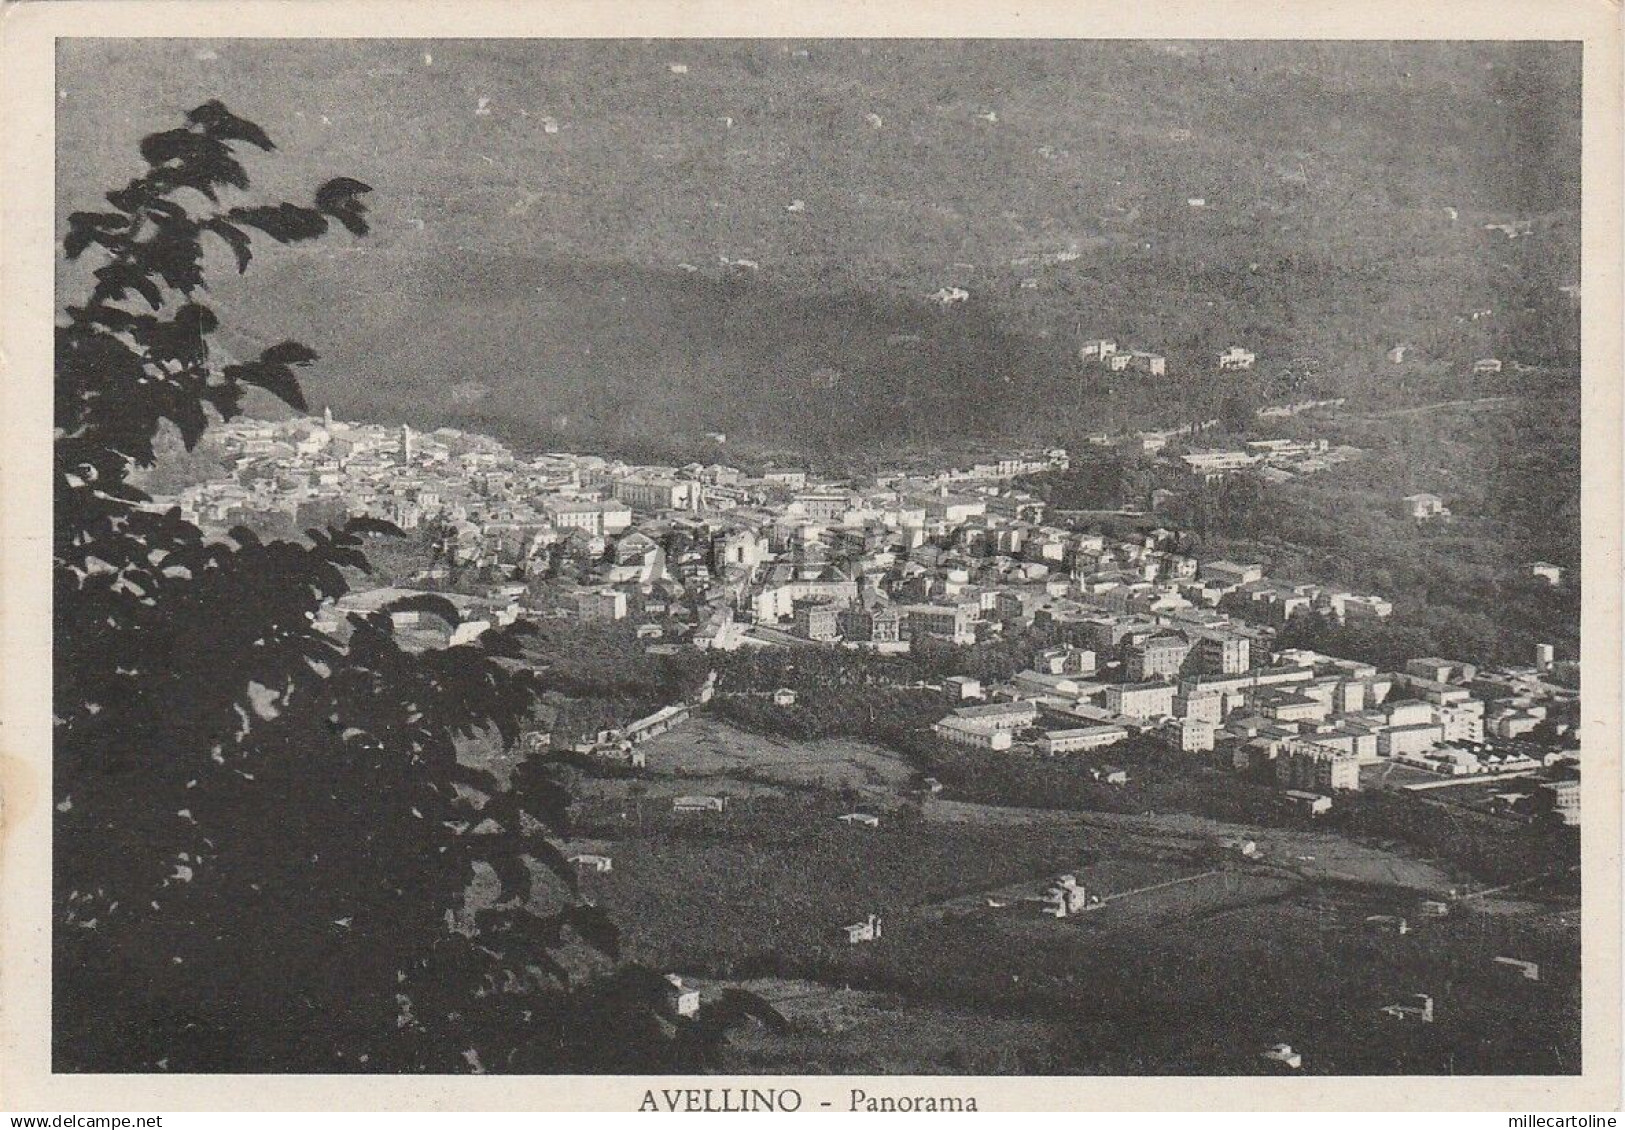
[365, 525]
[285, 223]
[341, 199]
[513, 874]
[196, 319]
[340, 192]
[192, 160]
[594, 928]
[272, 373]
[235, 237]
[278, 380]
[116, 280]
[219, 122]
[288, 353]
[429, 602]
[85, 228]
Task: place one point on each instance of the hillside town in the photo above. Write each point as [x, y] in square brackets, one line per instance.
[1148, 641]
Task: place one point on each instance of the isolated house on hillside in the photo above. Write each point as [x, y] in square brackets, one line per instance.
[1546, 571]
[866, 931]
[1417, 1006]
[683, 1001]
[1422, 507]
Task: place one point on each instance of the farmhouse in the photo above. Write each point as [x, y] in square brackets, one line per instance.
[655, 724]
[1546, 571]
[1417, 1006]
[1066, 896]
[683, 1000]
[1310, 804]
[1423, 506]
[698, 803]
[1528, 970]
[866, 931]
[1284, 1055]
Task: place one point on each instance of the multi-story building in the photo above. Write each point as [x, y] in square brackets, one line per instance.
[1462, 721]
[1141, 700]
[823, 506]
[1080, 739]
[817, 618]
[738, 549]
[953, 622]
[657, 493]
[595, 518]
[1441, 670]
[1306, 765]
[790, 480]
[1155, 657]
[601, 604]
[1405, 741]
[1067, 661]
[999, 715]
[1199, 706]
[871, 625]
[1190, 735]
[987, 727]
[1223, 654]
[778, 601]
[1229, 573]
[1561, 799]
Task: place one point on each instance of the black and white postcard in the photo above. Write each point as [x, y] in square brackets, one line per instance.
[838, 559]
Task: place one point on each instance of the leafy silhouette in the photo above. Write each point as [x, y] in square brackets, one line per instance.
[266, 829]
[432, 603]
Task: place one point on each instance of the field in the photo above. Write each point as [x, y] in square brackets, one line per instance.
[705, 747]
[1196, 960]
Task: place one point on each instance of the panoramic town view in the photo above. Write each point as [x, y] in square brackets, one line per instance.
[851, 557]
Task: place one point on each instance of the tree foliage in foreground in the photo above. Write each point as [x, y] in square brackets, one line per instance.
[264, 836]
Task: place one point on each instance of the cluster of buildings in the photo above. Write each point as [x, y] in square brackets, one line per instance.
[1313, 723]
[1273, 460]
[1105, 353]
[1146, 640]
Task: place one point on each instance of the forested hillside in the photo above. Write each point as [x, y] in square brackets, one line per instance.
[743, 236]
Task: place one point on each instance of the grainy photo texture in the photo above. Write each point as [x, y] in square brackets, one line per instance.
[805, 557]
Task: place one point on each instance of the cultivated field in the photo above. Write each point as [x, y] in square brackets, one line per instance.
[707, 747]
[1196, 960]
